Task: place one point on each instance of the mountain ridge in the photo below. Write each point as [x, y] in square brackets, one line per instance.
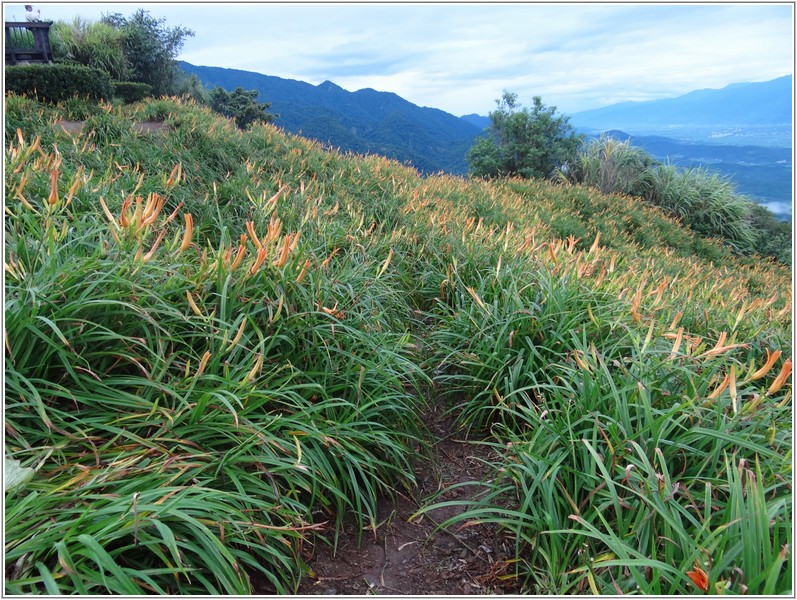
[767, 103]
[364, 121]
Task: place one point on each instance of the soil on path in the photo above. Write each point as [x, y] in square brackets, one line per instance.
[415, 557]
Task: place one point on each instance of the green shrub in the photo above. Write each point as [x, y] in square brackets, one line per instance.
[57, 82]
[773, 237]
[131, 91]
[241, 105]
[523, 142]
[190, 86]
[150, 48]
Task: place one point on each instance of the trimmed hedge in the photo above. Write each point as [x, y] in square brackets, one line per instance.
[57, 82]
[131, 91]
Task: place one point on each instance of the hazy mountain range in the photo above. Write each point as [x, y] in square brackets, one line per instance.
[732, 114]
[705, 127]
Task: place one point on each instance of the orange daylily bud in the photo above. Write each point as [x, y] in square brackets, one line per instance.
[53, 199]
[781, 378]
[189, 229]
[771, 359]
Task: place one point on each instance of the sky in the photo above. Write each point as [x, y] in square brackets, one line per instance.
[460, 57]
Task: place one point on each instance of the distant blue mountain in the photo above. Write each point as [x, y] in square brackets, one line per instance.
[478, 120]
[365, 121]
[740, 105]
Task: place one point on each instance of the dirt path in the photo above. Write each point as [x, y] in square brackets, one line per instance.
[410, 557]
[143, 127]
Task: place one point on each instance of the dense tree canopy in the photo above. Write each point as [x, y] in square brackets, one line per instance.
[150, 48]
[523, 142]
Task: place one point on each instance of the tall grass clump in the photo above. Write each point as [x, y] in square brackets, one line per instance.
[612, 166]
[705, 201]
[94, 44]
[197, 399]
[627, 434]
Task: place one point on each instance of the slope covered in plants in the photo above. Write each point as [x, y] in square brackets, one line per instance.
[221, 343]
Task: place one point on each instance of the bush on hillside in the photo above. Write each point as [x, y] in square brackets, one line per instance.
[137, 48]
[131, 91]
[611, 166]
[150, 48]
[772, 236]
[190, 86]
[57, 82]
[241, 105]
[705, 201]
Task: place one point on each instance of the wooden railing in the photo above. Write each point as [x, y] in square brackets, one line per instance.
[28, 42]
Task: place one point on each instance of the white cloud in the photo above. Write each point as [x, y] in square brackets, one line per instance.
[460, 57]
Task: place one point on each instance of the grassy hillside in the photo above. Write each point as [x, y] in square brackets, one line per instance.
[219, 344]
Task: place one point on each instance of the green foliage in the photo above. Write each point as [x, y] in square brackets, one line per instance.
[107, 126]
[131, 91]
[137, 49]
[484, 158]
[218, 346]
[79, 109]
[523, 142]
[705, 201]
[623, 459]
[288, 372]
[190, 86]
[150, 48]
[241, 105]
[773, 237]
[20, 38]
[23, 113]
[57, 82]
[90, 44]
